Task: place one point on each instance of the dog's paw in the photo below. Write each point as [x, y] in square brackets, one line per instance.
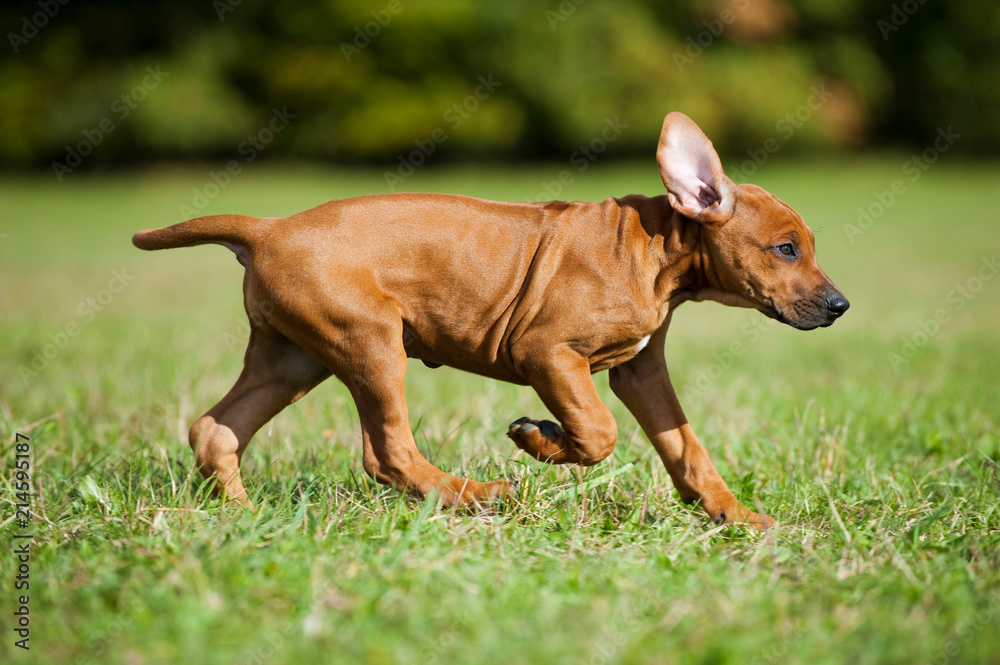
[498, 490]
[473, 496]
[737, 513]
[758, 520]
[542, 439]
[547, 428]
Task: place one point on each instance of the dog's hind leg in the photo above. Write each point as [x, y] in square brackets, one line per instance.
[371, 361]
[276, 373]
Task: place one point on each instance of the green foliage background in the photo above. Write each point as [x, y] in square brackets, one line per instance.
[897, 72]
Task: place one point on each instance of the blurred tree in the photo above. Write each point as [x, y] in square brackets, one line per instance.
[375, 79]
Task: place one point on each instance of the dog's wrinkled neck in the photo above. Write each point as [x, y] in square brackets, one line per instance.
[686, 245]
[683, 250]
[703, 273]
[701, 279]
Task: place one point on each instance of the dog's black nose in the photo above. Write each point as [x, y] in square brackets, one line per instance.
[838, 304]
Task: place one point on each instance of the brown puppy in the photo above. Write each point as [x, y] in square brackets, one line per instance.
[543, 294]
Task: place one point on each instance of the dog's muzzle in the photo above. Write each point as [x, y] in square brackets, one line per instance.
[811, 313]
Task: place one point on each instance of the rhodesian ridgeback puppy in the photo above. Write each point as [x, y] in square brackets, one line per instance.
[539, 294]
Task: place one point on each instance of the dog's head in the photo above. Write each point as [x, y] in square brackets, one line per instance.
[759, 252]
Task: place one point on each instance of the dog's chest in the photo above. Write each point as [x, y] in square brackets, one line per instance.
[619, 343]
[615, 354]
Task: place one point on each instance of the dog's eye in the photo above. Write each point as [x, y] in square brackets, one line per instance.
[788, 249]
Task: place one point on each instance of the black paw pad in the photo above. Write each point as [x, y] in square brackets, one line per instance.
[550, 430]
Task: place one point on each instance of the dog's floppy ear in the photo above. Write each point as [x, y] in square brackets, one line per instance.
[692, 173]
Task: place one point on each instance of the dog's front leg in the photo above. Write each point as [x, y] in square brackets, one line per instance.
[643, 384]
[587, 431]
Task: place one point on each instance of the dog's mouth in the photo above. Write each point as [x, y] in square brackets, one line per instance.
[803, 314]
[772, 313]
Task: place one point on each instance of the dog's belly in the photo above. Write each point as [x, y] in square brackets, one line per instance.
[454, 353]
[492, 366]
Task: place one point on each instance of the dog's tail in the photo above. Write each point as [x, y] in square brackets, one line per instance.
[236, 232]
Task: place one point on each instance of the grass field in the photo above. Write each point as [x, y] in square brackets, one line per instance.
[871, 441]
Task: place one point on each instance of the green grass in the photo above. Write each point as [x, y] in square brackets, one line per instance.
[889, 543]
